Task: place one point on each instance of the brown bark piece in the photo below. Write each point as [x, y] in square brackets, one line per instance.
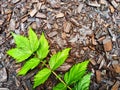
[117, 68]
[98, 76]
[107, 44]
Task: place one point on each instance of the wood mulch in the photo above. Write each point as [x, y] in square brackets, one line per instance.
[90, 27]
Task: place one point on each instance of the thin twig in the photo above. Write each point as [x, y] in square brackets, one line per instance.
[57, 76]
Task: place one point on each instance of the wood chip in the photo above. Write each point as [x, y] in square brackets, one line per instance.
[111, 9]
[40, 15]
[15, 1]
[93, 3]
[64, 35]
[98, 76]
[114, 3]
[52, 34]
[103, 2]
[24, 19]
[64, 67]
[39, 5]
[93, 62]
[107, 44]
[74, 21]
[60, 15]
[67, 27]
[33, 12]
[80, 7]
[116, 86]
[1, 22]
[116, 68]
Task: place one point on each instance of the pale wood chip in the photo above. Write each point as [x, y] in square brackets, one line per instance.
[67, 27]
[111, 9]
[1, 22]
[40, 15]
[60, 15]
[33, 12]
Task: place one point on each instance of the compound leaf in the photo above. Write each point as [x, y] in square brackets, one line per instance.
[34, 43]
[84, 83]
[75, 73]
[21, 41]
[58, 59]
[60, 86]
[43, 49]
[30, 64]
[41, 77]
[19, 54]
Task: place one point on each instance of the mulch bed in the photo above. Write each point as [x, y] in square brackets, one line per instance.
[90, 27]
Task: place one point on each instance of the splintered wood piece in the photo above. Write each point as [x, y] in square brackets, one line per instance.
[33, 12]
[107, 44]
[116, 86]
[67, 27]
[98, 76]
[60, 15]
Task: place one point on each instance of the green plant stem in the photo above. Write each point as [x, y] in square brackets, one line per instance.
[57, 76]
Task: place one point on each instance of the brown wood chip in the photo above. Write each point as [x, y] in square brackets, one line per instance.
[116, 86]
[98, 76]
[107, 44]
[116, 68]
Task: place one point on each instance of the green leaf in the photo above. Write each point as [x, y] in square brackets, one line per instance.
[30, 64]
[19, 54]
[60, 86]
[84, 83]
[34, 43]
[21, 41]
[75, 73]
[41, 77]
[43, 49]
[58, 59]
